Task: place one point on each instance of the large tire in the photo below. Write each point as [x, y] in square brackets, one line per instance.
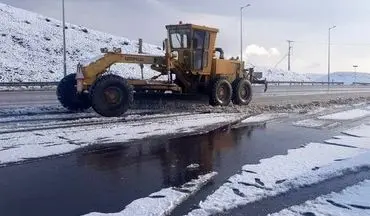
[242, 91]
[111, 95]
[221, 92]
[68, 96]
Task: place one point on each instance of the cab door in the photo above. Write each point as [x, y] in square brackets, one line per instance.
[200, 49]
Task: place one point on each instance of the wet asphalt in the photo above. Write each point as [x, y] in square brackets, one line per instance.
[106, 178]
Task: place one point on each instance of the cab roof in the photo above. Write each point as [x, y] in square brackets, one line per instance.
[193, 26]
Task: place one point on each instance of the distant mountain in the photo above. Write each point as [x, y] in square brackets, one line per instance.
[346, 77]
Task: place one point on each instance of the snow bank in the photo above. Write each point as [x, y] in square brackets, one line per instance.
[354, 200]
[163, 201]
[32, 49]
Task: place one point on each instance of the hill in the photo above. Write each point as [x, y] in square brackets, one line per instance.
[275, 74]
[346, 77]
[32, 48]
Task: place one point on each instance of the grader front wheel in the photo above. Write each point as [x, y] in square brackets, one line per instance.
[111, 96]
[221, 93]
[242, 92]
[68, 96]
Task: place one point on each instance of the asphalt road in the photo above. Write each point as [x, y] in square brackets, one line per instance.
[105, 179]
[275, 94]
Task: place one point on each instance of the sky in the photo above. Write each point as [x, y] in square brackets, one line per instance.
[267, 25]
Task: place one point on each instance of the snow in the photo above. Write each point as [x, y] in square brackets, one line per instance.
[354, 200]
[264, 117]
[193, 166]
[310, 123]
[32, 49]
[359, 131]
[281, 173]
[277, 74]
[19, 146]
[86, 62]
[163, 201]
[357, 142]
[357, 137]
[30, 110]
[347, 115]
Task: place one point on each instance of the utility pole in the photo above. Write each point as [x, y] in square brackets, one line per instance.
[64, 42]
[289, 53]
[329, 55]
[241, 31]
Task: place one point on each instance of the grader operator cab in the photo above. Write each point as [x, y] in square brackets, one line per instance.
[190, 66]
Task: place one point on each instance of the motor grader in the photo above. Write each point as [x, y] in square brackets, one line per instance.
[189, 66]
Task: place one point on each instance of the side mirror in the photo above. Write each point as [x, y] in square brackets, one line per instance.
[164, 45]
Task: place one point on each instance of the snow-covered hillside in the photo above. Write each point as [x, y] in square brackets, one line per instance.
[31, 47]
[346, 77]
[275, 74]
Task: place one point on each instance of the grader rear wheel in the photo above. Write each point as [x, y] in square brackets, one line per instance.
[242, 92]
[221, 92]
[68, 96]
[111, 96]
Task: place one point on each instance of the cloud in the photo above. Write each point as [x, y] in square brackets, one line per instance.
[256, 50]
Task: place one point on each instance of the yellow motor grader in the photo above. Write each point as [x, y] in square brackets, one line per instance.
[190, 66]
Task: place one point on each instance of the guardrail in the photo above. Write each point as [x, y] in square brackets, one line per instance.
[303, 83]
[27, 84]
[53, 84]
[360, 83]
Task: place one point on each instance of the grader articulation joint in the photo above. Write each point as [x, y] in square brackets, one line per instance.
[190, 65]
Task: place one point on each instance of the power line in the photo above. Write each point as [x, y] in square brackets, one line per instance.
[281, 60]
[335, 44]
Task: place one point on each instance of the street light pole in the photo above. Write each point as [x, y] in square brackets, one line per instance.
[329, 55]
[241, 31]
[355, 70]
[64, 42]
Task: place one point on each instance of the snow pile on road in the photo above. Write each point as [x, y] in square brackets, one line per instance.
[354, 200]
[32, 49]
[346, 77]
[281, 173]
[163, 201]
